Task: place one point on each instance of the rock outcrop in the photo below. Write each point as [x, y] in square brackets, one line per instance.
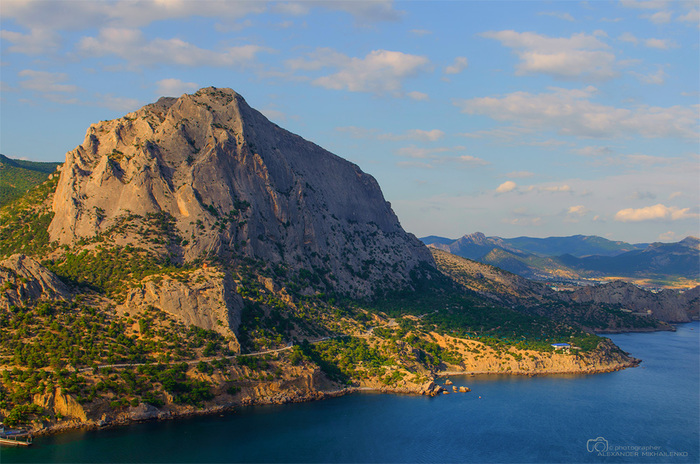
[666, 305]
[236, 183]
[59, 403]
[23, 280]
[205, 298]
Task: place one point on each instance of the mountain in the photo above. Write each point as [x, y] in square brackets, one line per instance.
[192, 256]
[18, 176]
[582, 257]
[230, 181]
[617, 306]
[679, 259]
[576, 245]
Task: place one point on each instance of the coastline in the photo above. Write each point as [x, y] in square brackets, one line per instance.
[430, 388]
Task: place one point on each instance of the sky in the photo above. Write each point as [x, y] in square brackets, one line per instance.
[511, 118]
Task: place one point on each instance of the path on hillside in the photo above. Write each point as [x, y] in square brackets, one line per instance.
[208, 359]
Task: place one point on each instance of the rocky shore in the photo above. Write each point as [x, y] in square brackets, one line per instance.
[314, 386]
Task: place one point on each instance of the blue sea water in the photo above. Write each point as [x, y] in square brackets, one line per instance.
[647, 414]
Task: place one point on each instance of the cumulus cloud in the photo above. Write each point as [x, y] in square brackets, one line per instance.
[458, 65]
[660, 44]
[656, 78]
[628, 37]
[420, 96]
[557, 14]
[555, 188]
[656, 212]
[132, 46]
[174, 87]
[578, 210]
[45, 82]
[381, 72]
[580, 56]
[468, 159]
[520, 174]
[36, 42]
[644, 4]
[121, 13]
[432, 135]
[692, 16]
[660, 17]
[429, 157]
[424, 153]
[124, 104]
[507, 186]
[594, 151]
[571, 112]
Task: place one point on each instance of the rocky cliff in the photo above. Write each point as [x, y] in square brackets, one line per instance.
[616, 306]
[666, 305]
[23, 281]
[235, 183]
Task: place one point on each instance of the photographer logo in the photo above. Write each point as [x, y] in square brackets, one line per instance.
[599, 445]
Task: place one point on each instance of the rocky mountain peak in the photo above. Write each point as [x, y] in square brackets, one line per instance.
[231, 182]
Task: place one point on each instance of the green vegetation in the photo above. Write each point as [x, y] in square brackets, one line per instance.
[24, 222]
[18, 176]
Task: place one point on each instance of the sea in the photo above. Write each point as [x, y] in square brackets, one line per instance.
[647, 414]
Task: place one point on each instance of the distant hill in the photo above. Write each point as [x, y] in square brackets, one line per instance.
[18, 176]
[579, 256]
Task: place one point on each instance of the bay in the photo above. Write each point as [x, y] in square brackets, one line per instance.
[646, 414]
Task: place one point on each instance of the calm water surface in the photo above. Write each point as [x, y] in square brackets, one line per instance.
[651, 410]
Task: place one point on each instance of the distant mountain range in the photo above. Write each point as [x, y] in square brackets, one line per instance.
[18, 176]
[581, 257]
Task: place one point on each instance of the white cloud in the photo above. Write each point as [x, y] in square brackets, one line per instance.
[380, 72]
[38, 41]
[660, 17]
[81, 15]
[660, 44]
[555, 188]
[578, 210]
[571, 112]
[436, 156]
[593, 151]
[420, 96]
[628, 37]
[520, 174]
[580, 56]
[656, 212]
[507, 186]
[425, 153]
[370, 11]
[132, 46]
[692, 16]
[657, 78]
[45, 82]
[675, 195]
[124, 104]
[644, 4]
[174, 87]
[432, 135]
[557, 14]
[472, 160]
[667, 236]
[458, 65]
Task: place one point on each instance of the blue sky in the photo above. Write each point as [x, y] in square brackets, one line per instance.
[511, 118]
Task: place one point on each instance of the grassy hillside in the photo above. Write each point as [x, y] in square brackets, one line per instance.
[18, 176]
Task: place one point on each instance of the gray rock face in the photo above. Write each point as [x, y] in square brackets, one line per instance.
[667, 305]
[23, 280]
[207, 299]
[236, 183]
